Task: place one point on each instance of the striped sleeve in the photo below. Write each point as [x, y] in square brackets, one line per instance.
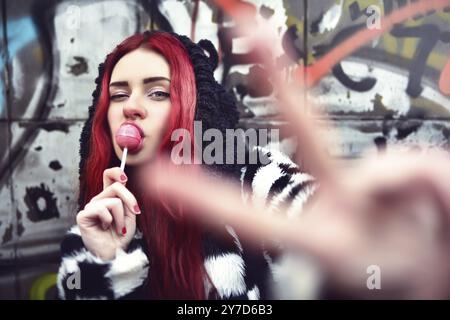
[82, 275]
[279, 183]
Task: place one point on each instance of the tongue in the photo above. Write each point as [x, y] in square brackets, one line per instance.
[128, 136]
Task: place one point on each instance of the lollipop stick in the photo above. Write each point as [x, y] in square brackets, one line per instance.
[124, 157]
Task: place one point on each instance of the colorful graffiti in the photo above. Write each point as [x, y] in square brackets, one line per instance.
[383, 86]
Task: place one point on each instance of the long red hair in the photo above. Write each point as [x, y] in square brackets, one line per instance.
[175, 248]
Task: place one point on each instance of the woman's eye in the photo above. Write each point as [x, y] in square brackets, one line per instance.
[118, 97]
[159, 95]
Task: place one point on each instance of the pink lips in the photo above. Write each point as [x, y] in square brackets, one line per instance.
[129, 136]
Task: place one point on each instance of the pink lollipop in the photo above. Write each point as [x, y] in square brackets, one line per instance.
[128, 137]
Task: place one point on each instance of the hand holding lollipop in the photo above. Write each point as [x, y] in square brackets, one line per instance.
[108, 221]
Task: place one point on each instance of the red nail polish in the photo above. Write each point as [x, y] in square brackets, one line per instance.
[124, 230]
[123, 177]
[137, 209]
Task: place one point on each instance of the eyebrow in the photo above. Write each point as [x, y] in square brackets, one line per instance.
[145, 81]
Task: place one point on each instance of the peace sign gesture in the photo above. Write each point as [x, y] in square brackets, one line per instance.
[390, 210]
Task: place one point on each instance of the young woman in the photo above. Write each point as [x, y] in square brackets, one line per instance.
[130, 243]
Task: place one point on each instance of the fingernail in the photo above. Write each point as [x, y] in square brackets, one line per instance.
[124, 230]
[123, 177]
[137, 209]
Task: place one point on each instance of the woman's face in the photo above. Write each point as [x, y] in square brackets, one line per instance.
[139, 93]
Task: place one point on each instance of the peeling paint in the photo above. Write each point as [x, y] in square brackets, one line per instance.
[8, 235]
[79, 67]
[20, 227]
[41, 203]
[330, 19]
[55, 165]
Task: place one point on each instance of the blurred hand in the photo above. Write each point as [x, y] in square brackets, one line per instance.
[391, 211]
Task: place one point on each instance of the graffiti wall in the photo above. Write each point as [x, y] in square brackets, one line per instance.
[394, 90]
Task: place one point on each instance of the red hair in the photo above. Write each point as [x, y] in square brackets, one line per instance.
[175, 249]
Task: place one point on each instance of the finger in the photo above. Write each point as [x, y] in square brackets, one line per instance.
[400, 173]
[120, 191]
[115, 207]
[399, 182]
[311, 147]
[92, 215]
[296, 107]
[112, 175]
[216, 202]
[107, 218]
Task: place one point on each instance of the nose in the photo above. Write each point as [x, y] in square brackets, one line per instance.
[133, 110]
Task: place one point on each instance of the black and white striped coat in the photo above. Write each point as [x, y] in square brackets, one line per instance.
[236, 271]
